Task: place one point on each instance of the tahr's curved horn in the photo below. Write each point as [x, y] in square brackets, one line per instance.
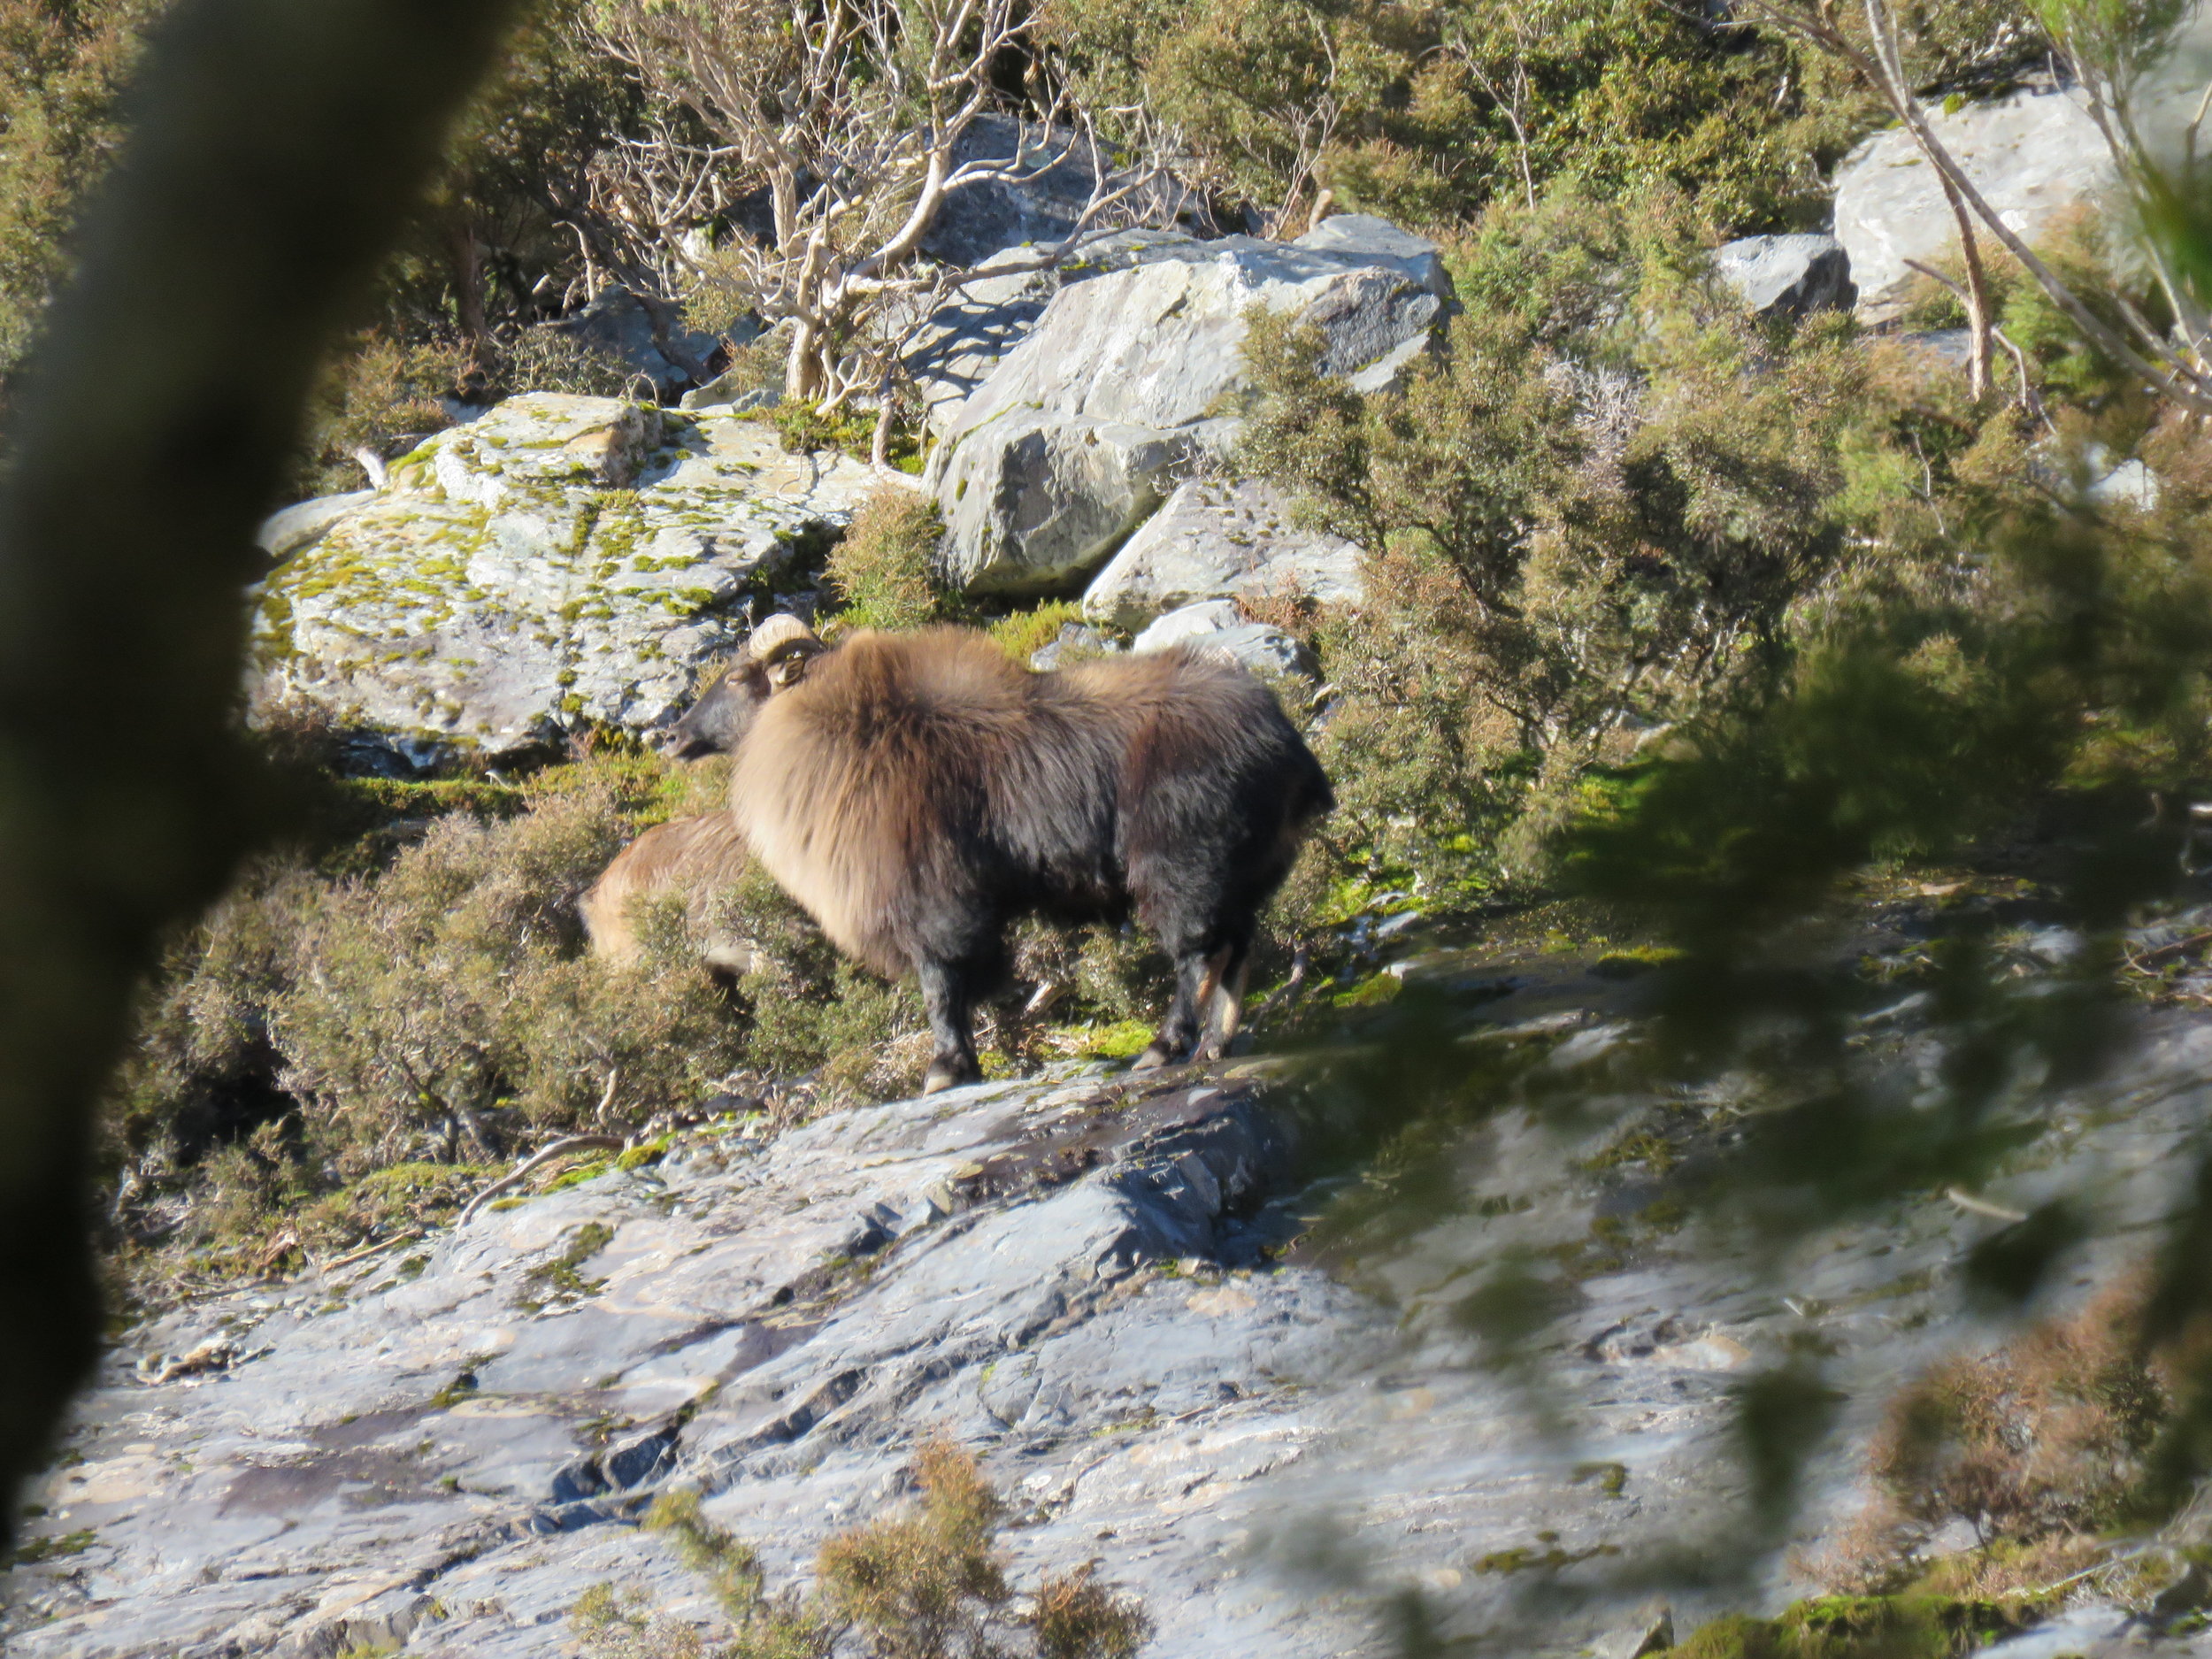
[778, 636]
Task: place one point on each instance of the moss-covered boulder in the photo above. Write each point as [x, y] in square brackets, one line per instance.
[562, 561]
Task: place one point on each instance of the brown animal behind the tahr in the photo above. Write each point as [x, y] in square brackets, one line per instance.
[692, 856]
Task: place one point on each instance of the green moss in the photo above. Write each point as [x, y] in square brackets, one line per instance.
[1371, 992]
[557, 1280]
[1864, 1627]
[1550, 1558]
[1612, 1478]
[1636, 1145]
[1121, 1040]
[36, 1549]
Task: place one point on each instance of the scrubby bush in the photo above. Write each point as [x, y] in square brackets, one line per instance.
[2048, 1437]
[1616, 498]
[925, 1584]
[318, 1028]
[1426, 114]
[545, 359]
[63, 66]
[376, 396]
[885, 569]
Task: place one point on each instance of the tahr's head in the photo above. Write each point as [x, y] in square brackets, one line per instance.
[774, 660]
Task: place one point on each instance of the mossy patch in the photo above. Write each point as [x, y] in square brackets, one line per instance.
[1864, 1627]
[55, 1549]
[558, 1281]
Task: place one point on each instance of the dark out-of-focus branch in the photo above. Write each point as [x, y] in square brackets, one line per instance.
[274, 148]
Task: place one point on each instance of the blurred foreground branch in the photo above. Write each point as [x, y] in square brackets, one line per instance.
[275, 147]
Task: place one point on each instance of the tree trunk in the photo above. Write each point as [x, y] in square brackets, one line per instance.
[1978, 320]
[466, 264]
[803, 375]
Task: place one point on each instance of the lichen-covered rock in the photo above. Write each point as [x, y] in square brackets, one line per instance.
[558, 562]
[1156, 345]
[2033, 155]
[1215, 539]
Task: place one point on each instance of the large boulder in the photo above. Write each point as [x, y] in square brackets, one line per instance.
[1379, 241]
[1215, 539]
[964, 340]
[1218, 626]
[1154, 345]
[2034, 156]
[1787, 276]
[562, 561]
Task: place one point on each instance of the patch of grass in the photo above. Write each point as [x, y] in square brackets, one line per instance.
[1863, 1627]
[927, 1582]
[884, 570]
[1022, 633]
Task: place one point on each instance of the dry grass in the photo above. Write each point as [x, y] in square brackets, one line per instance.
[924, 1583]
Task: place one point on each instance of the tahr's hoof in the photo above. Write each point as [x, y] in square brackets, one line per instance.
[942, 1077]
[1152, 1059]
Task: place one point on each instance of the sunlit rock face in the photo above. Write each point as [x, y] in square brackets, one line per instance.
[1135, 372]
[2034, 156]
[1179, 1346]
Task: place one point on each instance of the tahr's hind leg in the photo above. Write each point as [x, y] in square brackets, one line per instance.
[948, 996]
[1196, 978]
[1225, 1004]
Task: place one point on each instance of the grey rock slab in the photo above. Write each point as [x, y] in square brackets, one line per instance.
[1159, 343]
[955, 349]
[285, 532]
[443, 1448]
[1216, 539]
[1074, 641]
[1048, 496]
[1366, 237]
[2033, 155]
[1218, 626]
[1787, 276]
[559, 562]
[1153, 345]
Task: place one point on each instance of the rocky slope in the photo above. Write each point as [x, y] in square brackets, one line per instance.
[440, 1448]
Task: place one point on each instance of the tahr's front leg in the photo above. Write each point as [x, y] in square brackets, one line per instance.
[947, 996]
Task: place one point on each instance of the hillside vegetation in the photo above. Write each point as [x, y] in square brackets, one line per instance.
[1679, 621]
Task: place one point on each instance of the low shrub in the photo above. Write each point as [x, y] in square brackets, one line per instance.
[375, 396]
[2045, 1437]
[1615, 500]
[550, 359]
[925, 1584]
[884, 570]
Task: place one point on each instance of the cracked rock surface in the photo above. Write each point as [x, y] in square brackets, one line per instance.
[1079, 1278]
